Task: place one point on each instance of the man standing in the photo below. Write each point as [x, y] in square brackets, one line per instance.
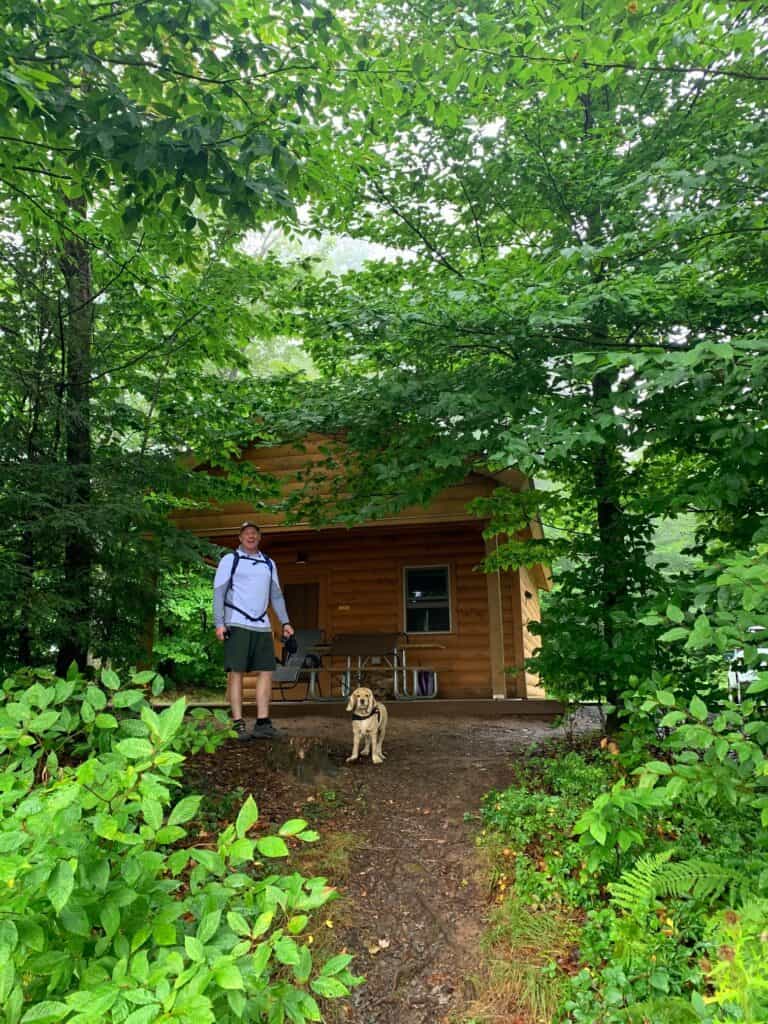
[246, 584]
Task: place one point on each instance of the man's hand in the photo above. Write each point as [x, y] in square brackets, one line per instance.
[288, 629]
[221, 632]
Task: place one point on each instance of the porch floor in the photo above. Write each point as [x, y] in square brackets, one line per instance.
[440, 707]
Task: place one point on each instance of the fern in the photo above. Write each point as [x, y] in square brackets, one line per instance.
[702, 879]
[652, 877]
[637, 888]
[669, 1009]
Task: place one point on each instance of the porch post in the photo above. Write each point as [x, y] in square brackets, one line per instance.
[518, 629]
[495, 628]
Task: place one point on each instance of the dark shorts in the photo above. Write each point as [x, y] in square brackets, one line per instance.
[249, 650]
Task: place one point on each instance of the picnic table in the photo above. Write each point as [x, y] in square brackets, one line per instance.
[376, 660]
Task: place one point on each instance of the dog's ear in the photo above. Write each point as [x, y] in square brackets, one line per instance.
[352, 701]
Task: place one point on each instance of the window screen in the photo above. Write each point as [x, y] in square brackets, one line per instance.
[427, 600]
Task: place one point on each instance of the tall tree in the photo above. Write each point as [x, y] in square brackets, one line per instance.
[131, 131]
[577, 192]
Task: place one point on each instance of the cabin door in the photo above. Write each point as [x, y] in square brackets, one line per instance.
[303, 603]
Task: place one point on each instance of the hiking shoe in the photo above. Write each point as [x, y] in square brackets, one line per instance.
[241, 730]
[266, 731]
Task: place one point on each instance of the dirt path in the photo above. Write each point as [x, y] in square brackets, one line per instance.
[395, 841]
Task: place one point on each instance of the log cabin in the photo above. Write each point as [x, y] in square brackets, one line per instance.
[414, 572]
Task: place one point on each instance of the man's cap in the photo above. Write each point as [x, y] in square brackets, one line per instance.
[246, 524]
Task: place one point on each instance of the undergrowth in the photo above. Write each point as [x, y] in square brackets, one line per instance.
[630, 882]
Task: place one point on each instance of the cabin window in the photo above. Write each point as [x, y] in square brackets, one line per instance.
[427, 599]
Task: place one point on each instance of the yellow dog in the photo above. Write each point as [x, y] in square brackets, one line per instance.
[369, 724]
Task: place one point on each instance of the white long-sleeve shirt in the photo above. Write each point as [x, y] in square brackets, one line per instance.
[254, 588]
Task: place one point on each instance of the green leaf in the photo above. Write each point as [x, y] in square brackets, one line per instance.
[135, 749]
[228, 976]
[292, 827]
[336, 964]
[105, 721]
[659, 980]
[195, 949]
[238, 923]
[262, 923]
[171, 834]
[758, 686]
[7, 980]
[247, 816]
[144, 1015]
[671, 719]
[127, 698]
[676, 633]
[96, 698]
[110, 679]
[60, 885]
[261, 958]
[48, 1010]
[185, 810]
[303, 969]
[147, 675]
[309, 836]
[9, 938]
[171, 719]
[286, 951]
[209, 925]
[164, 933]
[598, 832]
[698, 709]
[297, 924]
[309, 1008]
[674, 613]
[109, 916]
[153, 812]
[329, 988]
[272, 846]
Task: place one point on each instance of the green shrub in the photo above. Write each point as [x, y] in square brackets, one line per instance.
[110, 912]
[665, 848]
[185, 647]
[533, 820]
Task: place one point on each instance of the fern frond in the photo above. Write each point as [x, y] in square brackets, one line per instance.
[669, 1009]
[637, 887]
[701, 879]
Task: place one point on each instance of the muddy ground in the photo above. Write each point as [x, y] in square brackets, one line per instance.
[395, 841]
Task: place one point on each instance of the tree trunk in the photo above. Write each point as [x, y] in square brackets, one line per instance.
[78, 547]
[606, 474]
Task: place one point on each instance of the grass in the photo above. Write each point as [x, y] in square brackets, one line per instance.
[522, 980]
[330, 856]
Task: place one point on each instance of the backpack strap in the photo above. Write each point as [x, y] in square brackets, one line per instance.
[236, 556]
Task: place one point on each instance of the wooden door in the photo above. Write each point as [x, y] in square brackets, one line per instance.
[303, 603]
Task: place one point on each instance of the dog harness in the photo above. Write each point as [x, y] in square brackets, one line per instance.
[364, 718]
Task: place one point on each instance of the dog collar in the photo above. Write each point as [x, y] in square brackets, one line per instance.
[363, 718]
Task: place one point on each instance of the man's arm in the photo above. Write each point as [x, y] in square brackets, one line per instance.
[277, 601]
[220, 587]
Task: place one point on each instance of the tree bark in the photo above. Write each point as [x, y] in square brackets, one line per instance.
[606, 473]
[78, 546]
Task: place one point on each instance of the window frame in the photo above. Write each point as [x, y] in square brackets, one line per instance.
[449, 595]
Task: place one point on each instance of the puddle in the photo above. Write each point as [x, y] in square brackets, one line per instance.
[306, 759]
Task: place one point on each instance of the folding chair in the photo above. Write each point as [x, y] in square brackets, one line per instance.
[293, 673]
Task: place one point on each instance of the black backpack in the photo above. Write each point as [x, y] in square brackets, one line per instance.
[235, 562]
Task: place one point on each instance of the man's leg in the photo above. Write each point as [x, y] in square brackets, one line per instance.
[263, 693]
[235, 694]
[235, 697]
[263, 729]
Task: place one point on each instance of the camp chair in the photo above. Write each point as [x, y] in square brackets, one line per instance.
[293, 673]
